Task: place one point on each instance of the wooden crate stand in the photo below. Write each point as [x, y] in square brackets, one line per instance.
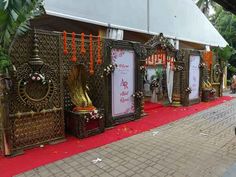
[82, 125]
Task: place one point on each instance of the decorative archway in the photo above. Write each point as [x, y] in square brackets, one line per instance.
[160, 66]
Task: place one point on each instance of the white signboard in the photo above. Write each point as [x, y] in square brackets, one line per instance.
[123, 80]
[194, 77]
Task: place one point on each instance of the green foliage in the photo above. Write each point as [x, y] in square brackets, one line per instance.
[232, 69]
[225, 23]
[15, 16]
[4, 60]
[225, 53]
[159, 71]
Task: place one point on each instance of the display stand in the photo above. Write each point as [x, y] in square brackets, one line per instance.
[208, 95]
[85, 124]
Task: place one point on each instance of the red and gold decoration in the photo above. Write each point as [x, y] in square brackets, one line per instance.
[91, 66]
[73, 46]
[82, 51]
[65, 51]
[99, 60]
[82, 48]
[164, 58]
[208, 58]
[159, 57]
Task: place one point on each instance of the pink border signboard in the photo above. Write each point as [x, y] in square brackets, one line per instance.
[194, 76]
[123, 82]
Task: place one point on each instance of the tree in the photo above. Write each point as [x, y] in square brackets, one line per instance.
[205, 5]
[15, 16]
[225, 23]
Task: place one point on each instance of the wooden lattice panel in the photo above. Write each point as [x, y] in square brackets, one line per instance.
[36, 111]
[95, 81]
[36, 129]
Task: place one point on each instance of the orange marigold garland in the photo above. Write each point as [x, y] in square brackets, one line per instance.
[172, 66]
[208, 58]
[82, 48]
[91, 69]
[65, 51]
[99, 60]
[73, 46]
[164, 59]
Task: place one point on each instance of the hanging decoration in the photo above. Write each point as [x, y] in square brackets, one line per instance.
[99, 60]
[208, 58]
[73, 46]
[82, 48]
[172, 66]
[163, 56]
[155, 59]
[159, 56]
[146, 61]
[91, 67]
[65, 51]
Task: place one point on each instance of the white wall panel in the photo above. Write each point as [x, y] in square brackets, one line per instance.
[183, 20]
[125, 13]
[180, 19]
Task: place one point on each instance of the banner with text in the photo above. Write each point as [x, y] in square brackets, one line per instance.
[123, 79]
[194, 77]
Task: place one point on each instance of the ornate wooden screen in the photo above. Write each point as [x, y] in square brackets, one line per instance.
[36, 107]
[216, 73]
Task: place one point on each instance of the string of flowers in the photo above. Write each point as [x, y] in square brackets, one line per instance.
[82, 48]
[163, 56]
[65, 51]
[99, 61]
[172, 64]
[73, 46]
[91, 69]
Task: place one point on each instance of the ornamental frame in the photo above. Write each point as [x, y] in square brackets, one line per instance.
[139, 52]
[185, 85]
[161, 42]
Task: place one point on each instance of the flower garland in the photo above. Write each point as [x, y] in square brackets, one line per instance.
[65, 51]
[82, 48]
[172, 66]
[73, 46]
[208, 58]
[99, 60]
[163, 56]
[91, 69]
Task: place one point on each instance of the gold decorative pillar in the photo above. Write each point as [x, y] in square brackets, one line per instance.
[176, 87]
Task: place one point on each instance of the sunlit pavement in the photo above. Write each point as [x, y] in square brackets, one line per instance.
[201, 145]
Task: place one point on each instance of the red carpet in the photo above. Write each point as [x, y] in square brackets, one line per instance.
[157, 116]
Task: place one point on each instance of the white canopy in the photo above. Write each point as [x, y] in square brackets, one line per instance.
[177, 19]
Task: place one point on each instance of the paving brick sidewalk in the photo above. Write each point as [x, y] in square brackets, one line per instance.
[201, 145]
